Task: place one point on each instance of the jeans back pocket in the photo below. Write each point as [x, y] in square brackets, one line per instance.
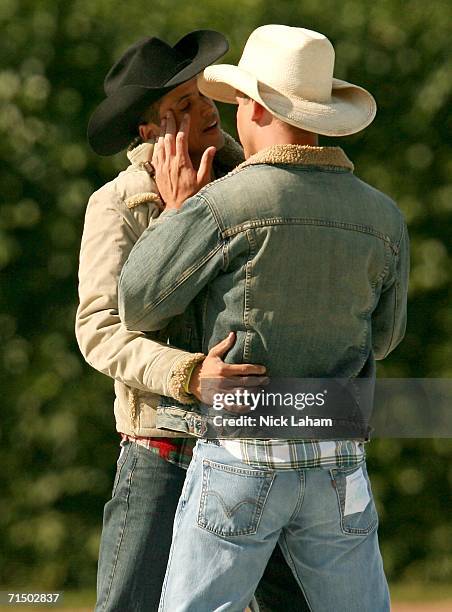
[232, 498]
[356, 504]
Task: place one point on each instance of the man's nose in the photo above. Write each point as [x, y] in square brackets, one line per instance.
[207, 105]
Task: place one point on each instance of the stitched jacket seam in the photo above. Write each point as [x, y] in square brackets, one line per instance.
[232, 231]
[213, 211]
[393, 320]
[397, 254]
[365, 314]
[247, 296]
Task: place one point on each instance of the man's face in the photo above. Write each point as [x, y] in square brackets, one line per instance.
[204, 118]
[244, 123]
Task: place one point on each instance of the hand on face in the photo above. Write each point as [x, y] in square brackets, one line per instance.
[175, 176]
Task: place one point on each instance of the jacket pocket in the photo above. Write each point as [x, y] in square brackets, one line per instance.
[358, 514]
[232, 498]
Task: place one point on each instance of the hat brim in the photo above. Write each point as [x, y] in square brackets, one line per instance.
[113, 124]
[349, 110]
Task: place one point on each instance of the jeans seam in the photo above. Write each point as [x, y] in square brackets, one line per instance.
[294, 570]
[300, 495]
[121, 535]
[177, 521]
[245, 471]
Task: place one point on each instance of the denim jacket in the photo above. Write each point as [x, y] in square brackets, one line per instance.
[304, 261]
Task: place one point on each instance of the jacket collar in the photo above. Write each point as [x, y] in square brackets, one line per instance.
[140, 154]
[228, 157]
[305, 155]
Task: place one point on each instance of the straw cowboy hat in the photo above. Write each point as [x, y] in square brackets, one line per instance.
[144, 73]
[289, 71]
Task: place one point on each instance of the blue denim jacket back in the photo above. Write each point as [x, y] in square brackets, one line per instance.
[303, 260]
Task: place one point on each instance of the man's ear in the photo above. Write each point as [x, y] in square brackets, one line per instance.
[257, 111]
[148, 131]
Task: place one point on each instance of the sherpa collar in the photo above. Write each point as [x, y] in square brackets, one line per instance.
[228, 157]
[141, 153]
[305, 155]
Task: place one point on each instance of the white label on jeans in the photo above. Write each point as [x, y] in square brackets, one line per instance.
[356, 493]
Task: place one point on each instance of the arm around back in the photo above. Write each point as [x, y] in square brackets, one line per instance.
[110, 231]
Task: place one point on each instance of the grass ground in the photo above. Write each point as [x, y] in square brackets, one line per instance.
[405, 598]
[421, 598]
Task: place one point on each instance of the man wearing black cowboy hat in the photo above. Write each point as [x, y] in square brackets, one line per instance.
[150, 79]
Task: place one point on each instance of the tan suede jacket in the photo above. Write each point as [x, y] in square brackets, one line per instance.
[142, 367]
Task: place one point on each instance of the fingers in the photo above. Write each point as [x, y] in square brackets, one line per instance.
[220, 349]
[171, 143]
[205, 167]
[170, 135]
[182, 137]
[244, 381]
[241, 369]
[227, 386]
[182, 153]
[244, 394]
[158, 155]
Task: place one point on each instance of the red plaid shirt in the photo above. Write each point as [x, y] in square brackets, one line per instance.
[175, 450]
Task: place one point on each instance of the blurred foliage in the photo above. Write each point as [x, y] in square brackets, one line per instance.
[57, 431]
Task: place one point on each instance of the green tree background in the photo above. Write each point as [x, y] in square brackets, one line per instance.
[57, 431]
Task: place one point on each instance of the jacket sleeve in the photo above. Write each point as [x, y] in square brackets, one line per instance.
[170, 264]
[130, 357]
[389, 317]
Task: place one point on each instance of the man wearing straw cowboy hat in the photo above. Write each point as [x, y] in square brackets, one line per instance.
[148, 79]
[309, 265]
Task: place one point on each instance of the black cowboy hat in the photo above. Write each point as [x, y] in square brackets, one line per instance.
[147, 71]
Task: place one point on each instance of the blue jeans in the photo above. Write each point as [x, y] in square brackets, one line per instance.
[231, 516]
[136, 533]
[136, 539]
